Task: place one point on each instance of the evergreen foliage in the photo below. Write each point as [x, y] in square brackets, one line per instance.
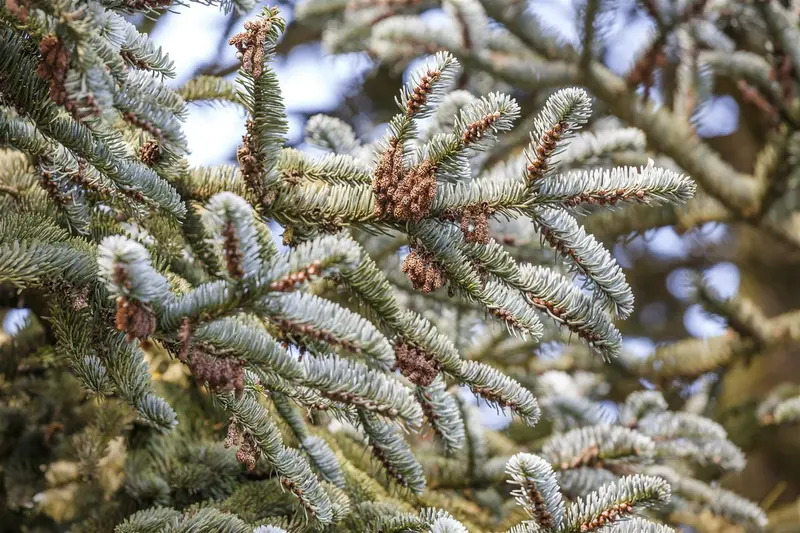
[179, 370]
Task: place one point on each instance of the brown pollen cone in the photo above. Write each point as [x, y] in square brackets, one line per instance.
[415, 194]
[475, 224]
[135, 318]
[223, 374]
[250, 43]
[53, 66]
[149, 153]
[415, 364]
[385, 180]
[422, 271]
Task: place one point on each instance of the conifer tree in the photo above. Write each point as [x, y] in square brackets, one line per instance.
[180, 369]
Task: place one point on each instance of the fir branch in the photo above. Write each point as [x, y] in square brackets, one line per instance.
[307, 397]
[589, 147]
[265, 438]
[670, 425]
[566, 304]
[328, 205]
[474, 130]
[787, 411]
[392, 451]
[601, 446]
[140, 52]
[74, 341]
[261, 96]
[148, 520]
[646, 184]
[665, 131]
[317, 449]
[426, 86]
[350, 382]
[296, 167]
[615, 502]
[425, 89]
[441, 522]
[503, 302]
[281, 273]
[203, 183]
[273, 529]
[537, 490]
[28, 263]
[637, 525]
[587, 256]
[401, 38]
[230, 221]
[125, 266]
[128, 371]
[250, 343]
[479, 122]
[442, 413]
[679, 434]
[500, 390]
[565, 112]
[71, 140]
[419, 332]
[305, 316]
